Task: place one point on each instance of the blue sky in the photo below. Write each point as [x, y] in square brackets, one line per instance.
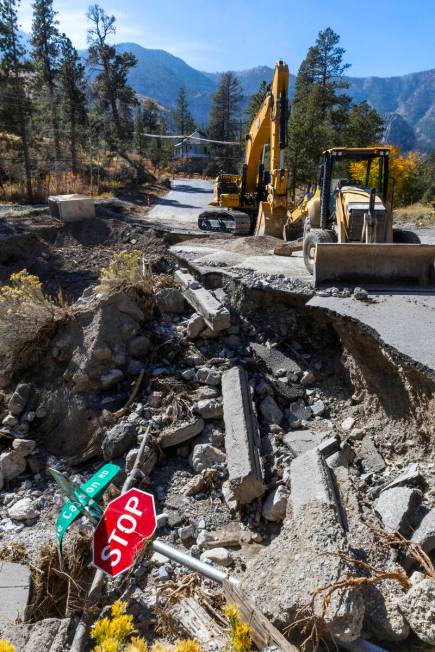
[382, 37]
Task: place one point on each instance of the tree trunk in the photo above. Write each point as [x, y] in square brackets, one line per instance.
[54, 125]
[23, 126]
[73, 145]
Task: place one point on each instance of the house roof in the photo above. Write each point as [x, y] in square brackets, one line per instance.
[193, 139]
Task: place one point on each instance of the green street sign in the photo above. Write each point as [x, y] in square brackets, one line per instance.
[82, 499]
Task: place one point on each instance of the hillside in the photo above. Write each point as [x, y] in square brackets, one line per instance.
[159, 75]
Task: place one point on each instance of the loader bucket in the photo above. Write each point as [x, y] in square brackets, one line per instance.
[380, 264]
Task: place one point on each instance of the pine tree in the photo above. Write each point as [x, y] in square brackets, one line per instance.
[225, 108]
[73, 96]
[181, 116]
[364, 126]
[115, 97]
[139, 141]
[224, 123]
[45, 42]
[320, 108]
[15, 107]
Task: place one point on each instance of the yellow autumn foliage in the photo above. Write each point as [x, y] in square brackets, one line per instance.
[241, 639]
[402, 168]
[6, 646]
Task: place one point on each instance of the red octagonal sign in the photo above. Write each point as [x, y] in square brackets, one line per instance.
[126, 522]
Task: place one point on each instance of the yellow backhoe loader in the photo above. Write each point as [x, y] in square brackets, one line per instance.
[348, 233]
[257, 199]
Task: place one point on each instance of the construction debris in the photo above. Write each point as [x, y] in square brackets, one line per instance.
[242, 442]
[214, 314]
[272, 454]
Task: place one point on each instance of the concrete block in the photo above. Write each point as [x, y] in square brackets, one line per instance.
[215, 315]
[276, 362]
[424, 535]
[310, 482]
[180, 434]
[242, 439]
[397, 509]
[71, 208]
[14, 591]
[301, 441]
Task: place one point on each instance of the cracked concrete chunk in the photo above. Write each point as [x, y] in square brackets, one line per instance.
[310, 482]
[276, 362]
[49, 635]
[206, 456]
[14, 591]
[241, 437]
[397, 509]
[194, 326]
[301, 441]
[418, 607]
[424, 535]
[181, 433]
[215, 315]
[275, 505]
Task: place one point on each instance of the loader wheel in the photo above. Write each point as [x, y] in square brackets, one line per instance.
[311, 239]
[400, 236]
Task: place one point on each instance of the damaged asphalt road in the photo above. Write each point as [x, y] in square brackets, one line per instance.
[286, 445]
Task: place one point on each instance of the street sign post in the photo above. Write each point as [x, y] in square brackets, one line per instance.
[127, 522]
[82, 500]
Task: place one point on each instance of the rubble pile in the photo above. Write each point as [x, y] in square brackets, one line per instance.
[260, 456]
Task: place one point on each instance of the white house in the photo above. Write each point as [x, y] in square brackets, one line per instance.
[193, 146]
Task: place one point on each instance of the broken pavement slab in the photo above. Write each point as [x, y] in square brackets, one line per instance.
[401, 321]
[301, 441]
[14, 591]
[242, 440]
[215, 315]
[276, 362]
[181, 433]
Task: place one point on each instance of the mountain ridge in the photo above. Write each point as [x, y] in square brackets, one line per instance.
[160, 75]
[407, 101]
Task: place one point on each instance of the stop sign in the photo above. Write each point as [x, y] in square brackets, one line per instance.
[126, 522]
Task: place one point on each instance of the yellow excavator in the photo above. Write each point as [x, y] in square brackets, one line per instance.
[347, 225]
[257, 199]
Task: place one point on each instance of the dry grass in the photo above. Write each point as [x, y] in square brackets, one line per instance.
[27, 315]
[127, 269]
[418, 214]
[60, 585]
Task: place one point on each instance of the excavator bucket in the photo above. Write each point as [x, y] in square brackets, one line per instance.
[380, 264]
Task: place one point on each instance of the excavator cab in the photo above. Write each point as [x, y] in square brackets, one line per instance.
[348, 224]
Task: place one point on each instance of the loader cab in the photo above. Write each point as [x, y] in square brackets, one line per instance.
[346, 167]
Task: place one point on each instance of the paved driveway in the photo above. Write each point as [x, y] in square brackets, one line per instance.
[179, 209]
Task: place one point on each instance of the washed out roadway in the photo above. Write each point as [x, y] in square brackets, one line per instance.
[404, 321]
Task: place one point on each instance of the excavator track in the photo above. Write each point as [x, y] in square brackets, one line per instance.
[225, 221]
